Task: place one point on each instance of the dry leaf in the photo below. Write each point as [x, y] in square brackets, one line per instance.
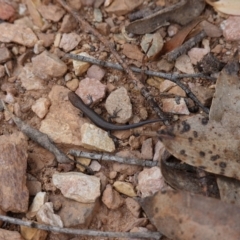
[213, 145]
[178, 39]
[231, 7]
[182, 215]
[182, 13]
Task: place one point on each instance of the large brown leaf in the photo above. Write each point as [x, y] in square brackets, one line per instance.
[213, 145]
[182, 215]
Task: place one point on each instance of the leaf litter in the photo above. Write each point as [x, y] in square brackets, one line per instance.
[212, 144]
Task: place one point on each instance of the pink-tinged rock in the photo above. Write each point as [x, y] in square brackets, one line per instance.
[96, 72]
[117, 100]
[231, 28]
[132, 51]
[92, 87]
[175, 105]
[150, 180]
[46, 215]
[112, 198]
[183, 64]
[7, 12]
[10, 235]
[17, 34]
[51, 12]
[69, 41]
[68, 24]
[47, 38]
[78, 186]
[41, 106]
[29, 80]
[48, 65]
[13, 165]
[74, 213]
[211, 30]
[120, 7]
[62, 123]
[147, 149]
[197, 54]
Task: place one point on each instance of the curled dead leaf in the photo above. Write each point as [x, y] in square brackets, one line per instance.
[231, 7]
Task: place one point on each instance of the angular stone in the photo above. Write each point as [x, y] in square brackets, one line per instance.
[132, 51]
[46, 215]
[166, 85]
[231, 28]
[117, 100]
[120, 7]
[95, 166]
[41, 106]
[78, 186]
[62, 123]
[69, 41]
[18, 34]
[112, 198]
[79, 66]
[33, 233]
[35, 15]
[92, 87]
[74, 213]
[7, 12]
[48, 65]
[13, 165]
[68, 24]
[37, 203]
[183, 64]
[150, 181]
[2, 71]
[175, 105]
[156, 41]
[176, 90]
[51, 12]
[197, 54]
[29, 80]
[5, 55]
[10, 235]
[96, 72]
[164, 65]
[211, 30]
[95, 138]
[125, 188]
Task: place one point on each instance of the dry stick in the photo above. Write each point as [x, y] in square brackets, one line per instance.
[173, 55]
[108, 157]
[42, 139]
[147, 235]
[172, 77]
[109, 45]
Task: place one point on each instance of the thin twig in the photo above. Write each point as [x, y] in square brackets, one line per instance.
[42, 139]
[173, 55]
[88, 28]
[172, 77]
[147, 235]
[108, 157]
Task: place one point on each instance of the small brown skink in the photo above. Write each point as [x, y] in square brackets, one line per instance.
[97, 120]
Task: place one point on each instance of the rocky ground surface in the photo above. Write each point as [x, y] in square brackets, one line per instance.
[35, 81]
